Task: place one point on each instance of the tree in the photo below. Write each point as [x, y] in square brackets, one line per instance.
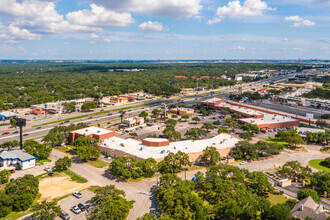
[36, 149]
[173, 163]
[277, 212]
[70, 106]
[304, 193]
[172, 106]
[148, 166]
[252, 128]
[326, 162]
[63, 163]
[216, 123]
[4, 176]
[185, 117]
[10, 144]
[87, 106]
[196, 119]
[259, 183]
[54, 139]
[156, 112]
[194, 133]
[321, 123]
[148, 216]
[109, 203]
[85, 147]
[223, 130]
[207, 126]
[46, 210]
[294, 170]
[320, 180]
[225, 111]
[143, 114]
[236, 116]
[245, 136]
[171, 133]
[291, 137]
[210, 156]
[171, 122]
[243, 150]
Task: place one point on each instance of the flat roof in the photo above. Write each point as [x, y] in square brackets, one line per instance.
[16, 155]
[92, 130]
[156, 139]
[241, 109]
[211, 100]
[136, 148]
[312, 130]
[268, 119]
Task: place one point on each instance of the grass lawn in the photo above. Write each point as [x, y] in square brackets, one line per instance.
[98, 163]
[65, 150]
[276, 199]
[317, 164]
[75, 177]
[41, 162]
[277, 140]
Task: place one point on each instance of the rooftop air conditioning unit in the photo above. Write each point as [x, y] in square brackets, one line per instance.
[141, 148]
[86, 130]
[98, 131]
[163, 151]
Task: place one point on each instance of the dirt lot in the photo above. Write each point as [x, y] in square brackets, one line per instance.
[54, 187]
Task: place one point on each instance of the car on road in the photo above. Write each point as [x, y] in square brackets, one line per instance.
[64, 215]
[5, 133]
[98, 119]
[90, 117]
[109, 122]
[25, 134]
[82, 207]
[61, 123]
[109, 114]
[38, 127]
[67, 121]
[75, 210]
[51, 174]
[47, 169]
[15, 132]
[77, 194]
[11, 126]
[243, 163]
[102, 110]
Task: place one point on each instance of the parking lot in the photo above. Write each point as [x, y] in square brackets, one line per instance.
[67, 203]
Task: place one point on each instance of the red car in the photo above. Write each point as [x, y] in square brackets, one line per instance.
[12, 171]
[5, 133]
[11, 126]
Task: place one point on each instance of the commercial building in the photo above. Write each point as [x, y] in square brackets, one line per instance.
[7, 115]
[269, 121]
[16, 160]
[119, 100]
[158, 148]
[135, 121]
[182, 111]
[93, 132]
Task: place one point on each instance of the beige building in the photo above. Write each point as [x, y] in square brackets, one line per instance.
[182, 111]
[135, 121]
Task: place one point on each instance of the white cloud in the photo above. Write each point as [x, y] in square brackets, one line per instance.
[12, 32]
[299, 22]
[284, 40]
[295, 18]
[94, 36]
[239, 48]
[234, 9]
[99, 16]
[91, 42]
[163, 8]
[151, 26]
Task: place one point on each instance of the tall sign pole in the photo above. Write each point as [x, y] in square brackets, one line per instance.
[20, 122]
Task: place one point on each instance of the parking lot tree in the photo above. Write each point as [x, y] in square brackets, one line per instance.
[243, 150]
[152, 136]
[4, 176]
[148, 166]
[87, 106]
[223, 130]
[225, 111]
[196, 119]
[133, 134]
[174, 116]
[110, 203]
[143, 114]
[252, 128]
[246, 136]
[155, 112]
[86, 148]
[277, 212]
[259, 183]
[185, 117]
[304, 193]
[203, 111]
[9, 145]
[41, 151]
[46, 210]
[230, 122]
[194, 133]
[295, 171]
[291, 137]
[171, 122]
[267, 148]
[236, 116]
[320, 180]
[54, 139]
[63, 163]
[209, 112]
[174, 163]
[70, 106]
[172, 134]
[207, 126]
[210, 156]
[122, 167]
[216, 123]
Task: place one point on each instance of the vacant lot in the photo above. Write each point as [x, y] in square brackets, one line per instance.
[54, 187]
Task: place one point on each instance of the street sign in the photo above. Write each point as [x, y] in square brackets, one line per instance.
[309, 115]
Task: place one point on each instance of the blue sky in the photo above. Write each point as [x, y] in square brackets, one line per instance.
[164, 29]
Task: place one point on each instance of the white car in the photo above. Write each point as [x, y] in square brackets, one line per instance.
[243, 163]
[75, 209]
[77, 194]
[47, 169]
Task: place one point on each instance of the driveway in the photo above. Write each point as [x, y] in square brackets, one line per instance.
[67, 203]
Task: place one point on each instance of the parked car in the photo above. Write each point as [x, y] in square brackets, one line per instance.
[90, 117]
[77, 194]
[15, 132]
[82, 207]
[12, 171]
[5, 133]
[64, 215]
[51, 174]
[243, 163]
[12, 180]
[47, 169]
[39, 127]
[75, 210]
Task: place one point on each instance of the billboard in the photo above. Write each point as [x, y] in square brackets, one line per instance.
[309, 115]
[13, 122]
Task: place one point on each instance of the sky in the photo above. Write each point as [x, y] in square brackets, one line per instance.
[164, 29]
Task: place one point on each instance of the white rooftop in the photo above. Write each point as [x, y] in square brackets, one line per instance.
[136, 148]
[92, 130]
[240, 109]
[211, 100]
[268, 119]
[156, 139]
[306, 130]
[8, 114]
[16, 155]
